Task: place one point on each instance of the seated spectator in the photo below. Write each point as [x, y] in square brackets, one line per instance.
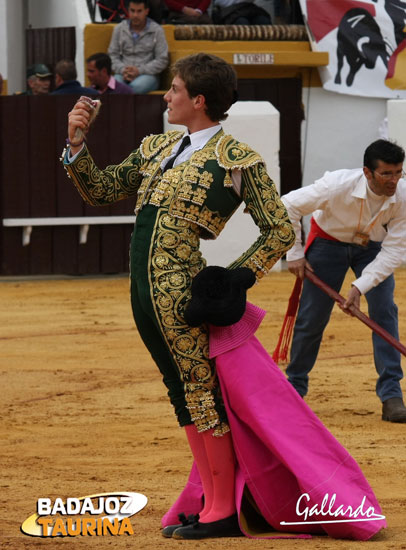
[65, 80]
[189, 12]
[240, 12]
[38, 80]
[100, 75]
[138, 49]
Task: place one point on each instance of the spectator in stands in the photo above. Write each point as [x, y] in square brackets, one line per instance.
[189, 12]
[100, 75]
[138, 49]
[38, 80]
[1, 83]
[65, 80]
[240, 12]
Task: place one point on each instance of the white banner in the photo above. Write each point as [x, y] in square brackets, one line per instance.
[366, 42]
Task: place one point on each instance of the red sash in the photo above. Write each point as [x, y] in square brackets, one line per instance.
[316, 231]
[282, 347]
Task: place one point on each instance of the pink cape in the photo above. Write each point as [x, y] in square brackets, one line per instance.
[291, 471]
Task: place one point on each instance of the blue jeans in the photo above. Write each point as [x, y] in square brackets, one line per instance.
[331, 261]
[142, 84]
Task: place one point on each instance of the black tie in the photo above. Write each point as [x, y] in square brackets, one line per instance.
[183, 145]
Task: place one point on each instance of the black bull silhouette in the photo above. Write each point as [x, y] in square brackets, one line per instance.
[360, 41]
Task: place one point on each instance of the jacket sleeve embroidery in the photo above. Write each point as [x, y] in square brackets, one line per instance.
[269, 214]
[101, 187]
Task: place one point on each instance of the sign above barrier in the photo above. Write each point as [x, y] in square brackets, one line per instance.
[253, 59]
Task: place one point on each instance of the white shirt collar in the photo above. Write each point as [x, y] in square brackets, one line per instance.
[360, 188]
[199, 139]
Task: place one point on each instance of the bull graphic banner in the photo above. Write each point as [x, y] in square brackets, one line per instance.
[366, 42]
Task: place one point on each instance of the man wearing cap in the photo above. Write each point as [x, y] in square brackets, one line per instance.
[38, 80]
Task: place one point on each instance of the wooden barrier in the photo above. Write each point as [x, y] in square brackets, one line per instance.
[34, 184]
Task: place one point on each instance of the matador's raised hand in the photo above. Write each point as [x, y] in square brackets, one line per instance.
[82, 115]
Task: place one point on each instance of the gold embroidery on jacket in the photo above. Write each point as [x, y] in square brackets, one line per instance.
[191, 173]
[200, 215]
[270, 215]
[232, 154]
[175, 259]
[199, 158]
[206, 179]
[154, 143]
[183, 189]
[183, 200]
[101, 187]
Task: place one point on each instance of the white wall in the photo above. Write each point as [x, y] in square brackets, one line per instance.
[337, 130]
[13, 39]
[396, 121]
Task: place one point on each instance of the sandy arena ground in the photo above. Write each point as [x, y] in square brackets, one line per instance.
[84, 411]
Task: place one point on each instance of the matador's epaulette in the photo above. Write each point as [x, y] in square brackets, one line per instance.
[153, 144]
[233, 154]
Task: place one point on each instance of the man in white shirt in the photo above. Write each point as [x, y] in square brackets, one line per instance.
[358, 222]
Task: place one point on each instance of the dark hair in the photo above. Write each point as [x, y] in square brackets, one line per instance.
[211, 77]
[145, 2]
[102, 61]
[383, 150]
[66, 69]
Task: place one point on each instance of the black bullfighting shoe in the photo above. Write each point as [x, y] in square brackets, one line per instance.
[227, 527]
[169, 529]
[393, 410]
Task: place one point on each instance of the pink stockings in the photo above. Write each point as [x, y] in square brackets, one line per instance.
[215, 460]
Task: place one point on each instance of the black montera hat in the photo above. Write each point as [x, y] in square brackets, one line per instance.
[219, 296]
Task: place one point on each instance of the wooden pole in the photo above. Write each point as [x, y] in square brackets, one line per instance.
[355, 311]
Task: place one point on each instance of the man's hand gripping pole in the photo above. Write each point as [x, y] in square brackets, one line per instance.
[355, 312]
